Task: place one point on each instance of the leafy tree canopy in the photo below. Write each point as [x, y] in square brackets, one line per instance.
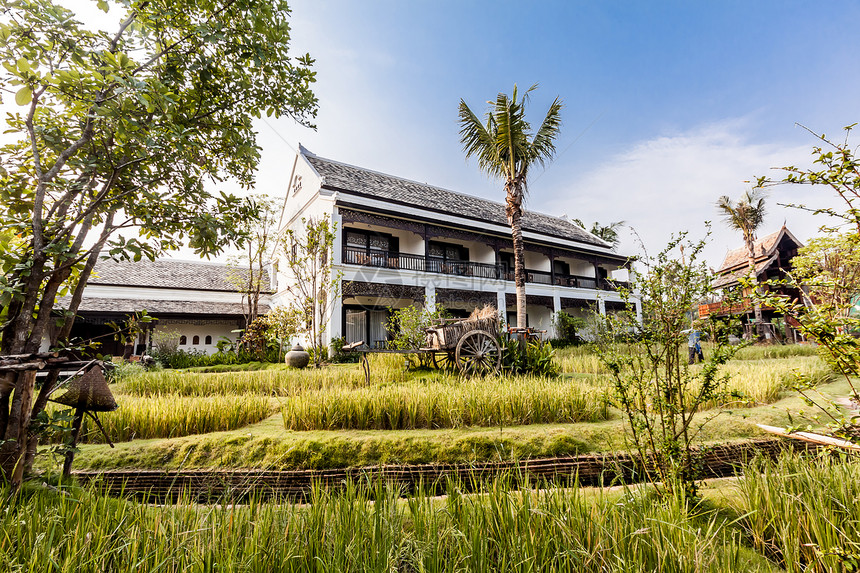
[118, 136]
[121, 132]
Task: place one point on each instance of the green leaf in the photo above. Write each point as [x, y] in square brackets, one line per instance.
[103, 6]
[24, 96]
[23, 65]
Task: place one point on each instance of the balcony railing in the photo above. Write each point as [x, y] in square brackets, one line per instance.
[409, 262]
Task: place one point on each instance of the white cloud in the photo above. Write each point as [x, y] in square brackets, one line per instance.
[671, 183]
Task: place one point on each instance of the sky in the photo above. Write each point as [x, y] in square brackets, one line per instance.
[667, 105]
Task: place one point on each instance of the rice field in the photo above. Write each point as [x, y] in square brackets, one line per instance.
[804, 514]
[171, 416]
[498, 401]
[169, 403]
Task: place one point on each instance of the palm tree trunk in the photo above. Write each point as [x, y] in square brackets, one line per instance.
[519, 266]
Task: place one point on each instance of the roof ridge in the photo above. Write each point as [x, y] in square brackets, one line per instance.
[460, 193]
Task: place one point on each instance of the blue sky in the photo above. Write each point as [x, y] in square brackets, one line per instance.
[668, 105]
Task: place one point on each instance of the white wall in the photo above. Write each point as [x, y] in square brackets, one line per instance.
[480, 252]
[215, 329]
[578, 267]
[536, 261]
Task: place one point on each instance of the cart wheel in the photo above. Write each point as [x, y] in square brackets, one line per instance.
[443, 360]
[478, 353]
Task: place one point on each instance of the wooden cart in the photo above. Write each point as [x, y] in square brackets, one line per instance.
[471, 346]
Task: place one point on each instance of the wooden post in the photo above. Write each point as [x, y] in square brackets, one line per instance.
[73, 441]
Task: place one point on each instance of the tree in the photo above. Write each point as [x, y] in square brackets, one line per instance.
[658, 392]
[311, 286]
[825, 315]
[246, 271]
[828, 269]
[506, 148]
[119, 134]
[608, 233]
[747, 216]
[282, 323]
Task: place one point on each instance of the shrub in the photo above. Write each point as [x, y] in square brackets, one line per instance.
[536, 359]
[566, 328]
[338, 356]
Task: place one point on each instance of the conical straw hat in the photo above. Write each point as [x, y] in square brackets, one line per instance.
[89, 392]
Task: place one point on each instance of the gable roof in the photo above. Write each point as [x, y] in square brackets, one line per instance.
[357, 180]
[160, 307]
[736, 263]
[173, 274]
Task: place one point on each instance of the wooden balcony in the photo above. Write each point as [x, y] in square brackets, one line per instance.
[723, 308]
[410, 262]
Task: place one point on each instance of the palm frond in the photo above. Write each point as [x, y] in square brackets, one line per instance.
[543, 144]
[478, 140]
[747, 214]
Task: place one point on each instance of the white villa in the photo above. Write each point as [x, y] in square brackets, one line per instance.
[400, 243]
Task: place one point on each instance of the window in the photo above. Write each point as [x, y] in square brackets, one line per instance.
[443, 258]
[195, 340]
[373, 249]
[561, 268]
[208, 339]
[368, 326]
[356, 326]
[182, 340]
[447, 251]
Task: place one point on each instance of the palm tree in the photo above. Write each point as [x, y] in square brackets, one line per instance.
[608, 233]
[746, 216]
[506, 148]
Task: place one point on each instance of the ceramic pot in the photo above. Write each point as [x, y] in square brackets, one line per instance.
[297, 357]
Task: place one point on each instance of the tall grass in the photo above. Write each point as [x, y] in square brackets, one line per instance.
[261, 382]
[765, 381]
[170, 416]
[805, 514]
[485, 402]
[270, 382]
[549, 530]
[762, 352]
[579, 359]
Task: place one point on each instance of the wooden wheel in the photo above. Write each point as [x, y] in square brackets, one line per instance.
[443, 360]
[478, 353]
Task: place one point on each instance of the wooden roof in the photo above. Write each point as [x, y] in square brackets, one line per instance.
[766, 250]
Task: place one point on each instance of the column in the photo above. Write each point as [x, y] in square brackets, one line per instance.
[335, 323]
[430, 297]
[601, 306]
[502, 304]
[556, 308]
[337, 247]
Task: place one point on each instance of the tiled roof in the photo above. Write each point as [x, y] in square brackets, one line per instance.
[353, 179]
[763, 249]
[736, 263]
[734, 276]
[164, 273]
[156, 307]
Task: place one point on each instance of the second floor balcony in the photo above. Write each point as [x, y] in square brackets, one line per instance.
[442, 265]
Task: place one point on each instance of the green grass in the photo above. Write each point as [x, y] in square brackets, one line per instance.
[805, 514]
[500, 530]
